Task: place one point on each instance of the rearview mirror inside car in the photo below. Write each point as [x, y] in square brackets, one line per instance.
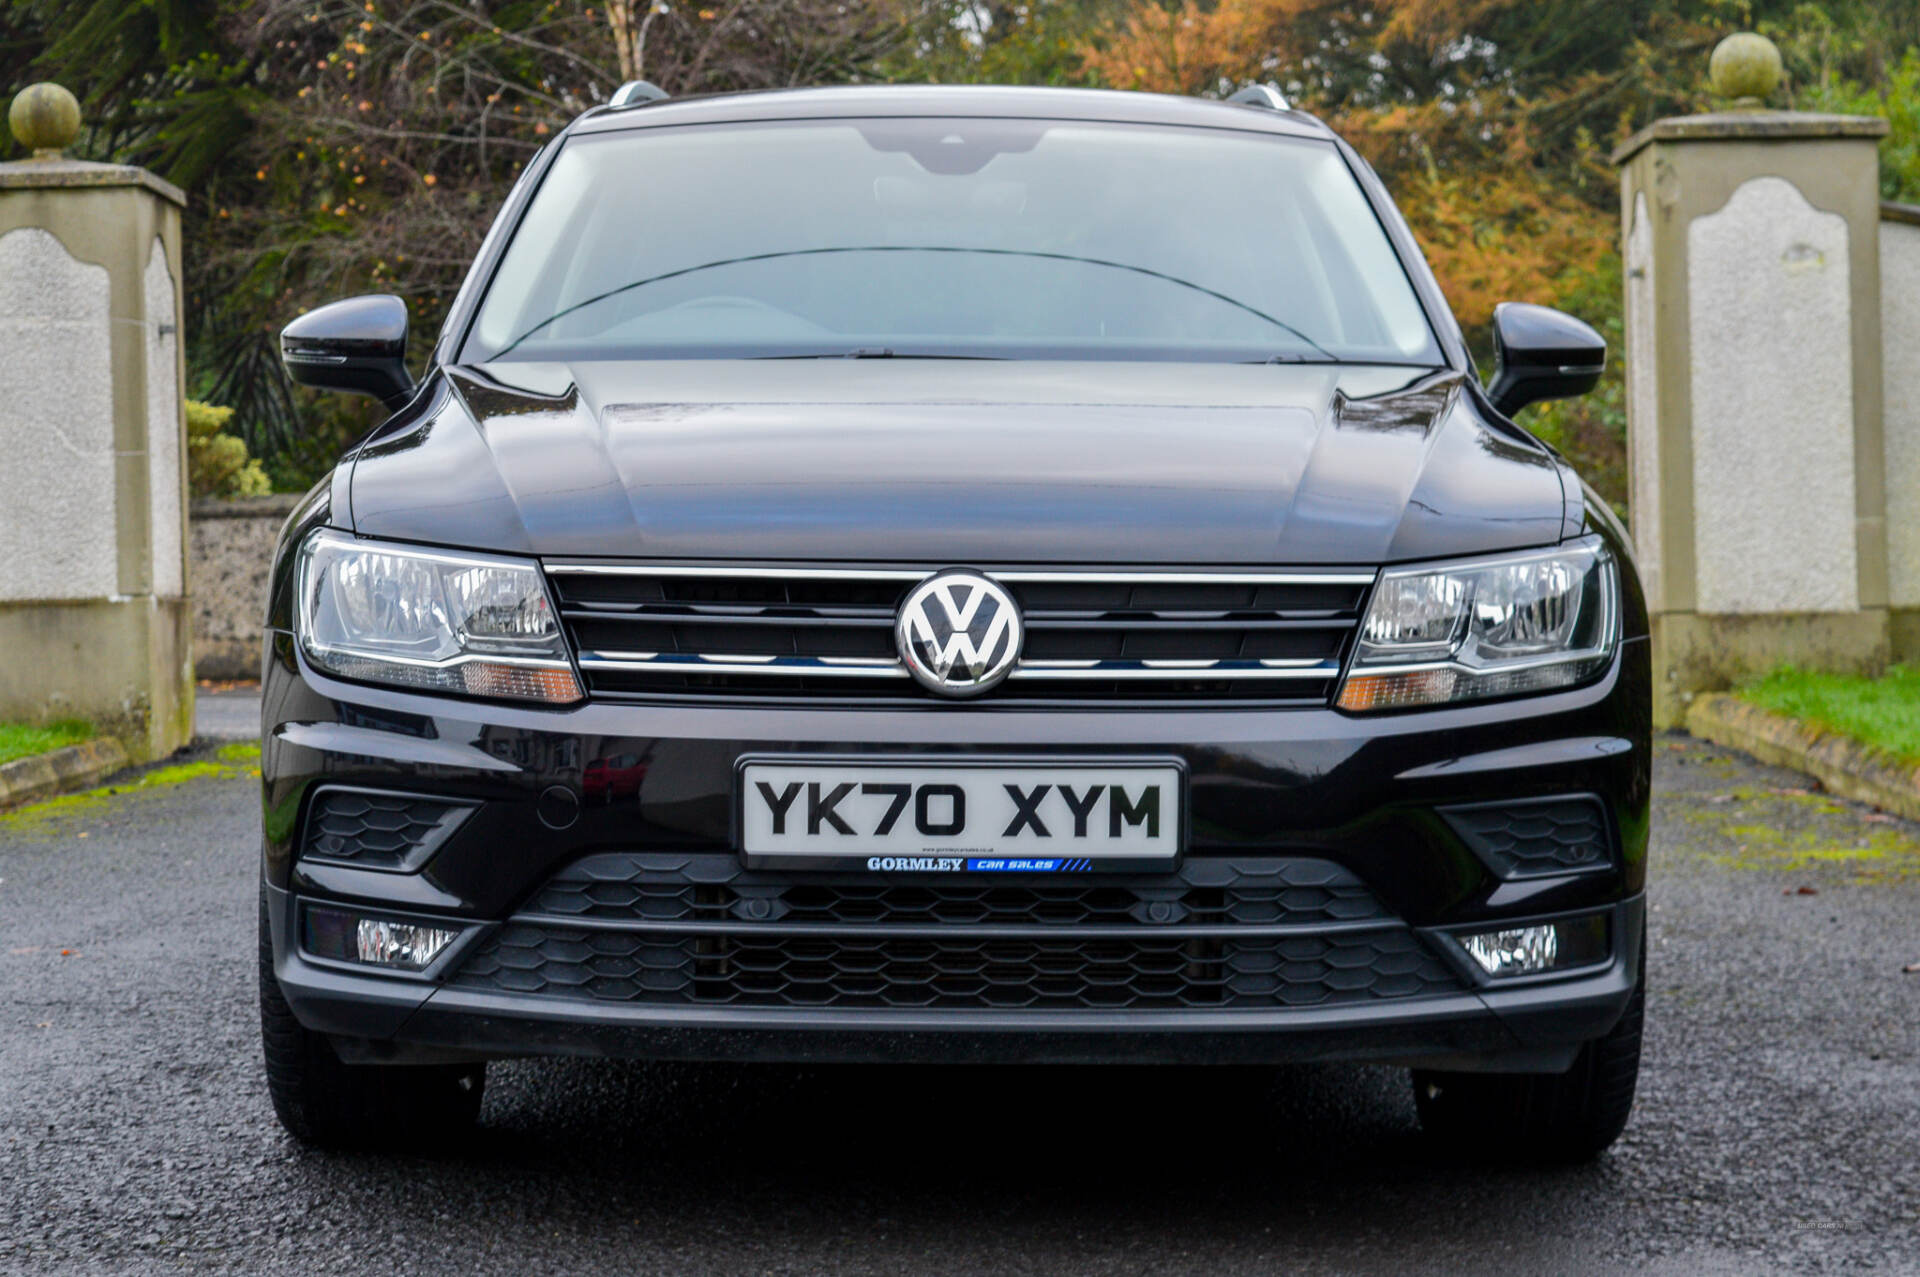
[358, 345]
[1542, 353]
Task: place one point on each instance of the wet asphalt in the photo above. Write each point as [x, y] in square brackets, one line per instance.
[1778, 1124]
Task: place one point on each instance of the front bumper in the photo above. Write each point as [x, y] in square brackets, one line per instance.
[1527, 1028]
[1359, 793]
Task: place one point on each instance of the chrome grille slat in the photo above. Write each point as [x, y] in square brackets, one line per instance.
[1052, 621]
[1168, 669]
[682, 618]
[1158, 621]
[688, 631]
[783, 668]
[568, 567]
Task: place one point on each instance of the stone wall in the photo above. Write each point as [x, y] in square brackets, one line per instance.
[230, 551]
[1757, 457]
[94, 621]
[56, 414]
[1900, 334]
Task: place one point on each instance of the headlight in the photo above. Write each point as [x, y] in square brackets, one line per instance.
[1490, 627]
[472, 624]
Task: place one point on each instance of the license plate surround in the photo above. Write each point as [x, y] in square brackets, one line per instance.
[1034, 767]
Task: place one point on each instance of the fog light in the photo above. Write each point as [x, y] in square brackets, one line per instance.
[1518, 952]
[380, 942]
[1551, 946]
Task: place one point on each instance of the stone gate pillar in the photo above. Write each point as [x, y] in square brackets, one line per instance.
[93, 618]
[1757, 493]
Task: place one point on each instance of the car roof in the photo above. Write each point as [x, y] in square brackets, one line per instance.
[960, 100]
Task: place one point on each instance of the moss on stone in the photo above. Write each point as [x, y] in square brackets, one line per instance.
[222, 766]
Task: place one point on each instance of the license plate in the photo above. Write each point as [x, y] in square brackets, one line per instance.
[933, 816]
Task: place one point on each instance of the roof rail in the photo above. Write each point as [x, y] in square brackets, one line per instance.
[637, 93]
[1265, 96]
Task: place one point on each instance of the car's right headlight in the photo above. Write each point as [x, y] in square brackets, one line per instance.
[1464, 631]
[431, 620]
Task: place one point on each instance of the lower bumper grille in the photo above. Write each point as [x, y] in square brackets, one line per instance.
[1260, 933]
[1043, 974]
[664, 887]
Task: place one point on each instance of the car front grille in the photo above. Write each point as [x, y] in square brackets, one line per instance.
[1258, 932]
[650, 631]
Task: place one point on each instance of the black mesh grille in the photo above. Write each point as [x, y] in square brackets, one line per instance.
[620, 621]
[677, 888]
[1144, 972]
[1536, 838]
[377, 830]
[1258, 932]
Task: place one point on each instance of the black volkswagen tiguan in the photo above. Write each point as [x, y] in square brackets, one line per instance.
[953, 575]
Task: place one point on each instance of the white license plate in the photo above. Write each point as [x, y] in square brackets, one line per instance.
[952, 817]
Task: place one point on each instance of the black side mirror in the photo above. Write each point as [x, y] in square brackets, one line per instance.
[1542, 353]
[358, 345]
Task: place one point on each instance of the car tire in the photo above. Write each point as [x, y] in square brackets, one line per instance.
[1540, 1117]
[328, 1103]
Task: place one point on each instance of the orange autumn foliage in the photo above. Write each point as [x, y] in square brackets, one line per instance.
[1499, 239]
[1460, 160]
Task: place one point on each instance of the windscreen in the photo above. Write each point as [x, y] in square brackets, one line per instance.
[988, 238]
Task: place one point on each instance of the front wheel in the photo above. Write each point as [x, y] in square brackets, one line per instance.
[331, 1104]
[1544, 1117]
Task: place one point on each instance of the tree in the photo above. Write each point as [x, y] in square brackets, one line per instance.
[157, 81]
[217, 462]
[1491, 121]
[336, 146]
[1000, 41]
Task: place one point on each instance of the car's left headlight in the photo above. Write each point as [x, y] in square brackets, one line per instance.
[477, 625]
[1485, 627]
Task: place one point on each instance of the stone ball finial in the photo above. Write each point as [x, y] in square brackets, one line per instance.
[45, 119]
[1745, 67]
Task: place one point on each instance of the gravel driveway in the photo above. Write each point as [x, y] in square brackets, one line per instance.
[1778, 1124]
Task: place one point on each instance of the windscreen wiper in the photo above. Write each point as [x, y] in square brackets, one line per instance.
[1149, 272]
[873, 352]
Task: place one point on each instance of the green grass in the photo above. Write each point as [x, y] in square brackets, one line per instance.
[17, 740]
[1880, 711]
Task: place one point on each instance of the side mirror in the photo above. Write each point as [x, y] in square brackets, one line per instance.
[358, 346]
[1542, 353]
